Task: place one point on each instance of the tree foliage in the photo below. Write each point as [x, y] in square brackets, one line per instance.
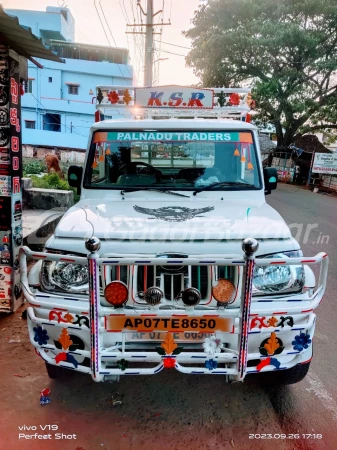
[285, 49]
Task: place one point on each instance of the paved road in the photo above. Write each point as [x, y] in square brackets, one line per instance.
[171, 411]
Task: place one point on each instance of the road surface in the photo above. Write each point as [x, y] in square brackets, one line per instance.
[171, 411]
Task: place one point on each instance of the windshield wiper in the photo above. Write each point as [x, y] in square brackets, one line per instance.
[125, 191]
[223, 183]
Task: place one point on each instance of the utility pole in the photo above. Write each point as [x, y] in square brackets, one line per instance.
[149, 50]
[149, 45]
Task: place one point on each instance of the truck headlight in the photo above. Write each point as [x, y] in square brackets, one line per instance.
[269, 280]
[65, 276]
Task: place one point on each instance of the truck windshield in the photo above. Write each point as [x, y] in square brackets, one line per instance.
[172, 160]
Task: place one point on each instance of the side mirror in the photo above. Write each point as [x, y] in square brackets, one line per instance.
[270, 179]
[75, 177]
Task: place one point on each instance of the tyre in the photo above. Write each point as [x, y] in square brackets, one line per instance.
[285, 377]
[56, 372]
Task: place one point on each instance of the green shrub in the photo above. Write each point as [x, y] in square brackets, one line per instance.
[33, 167]
[53, 181]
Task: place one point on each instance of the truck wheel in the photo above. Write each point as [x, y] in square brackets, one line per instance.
[55, 372]
[288, 376]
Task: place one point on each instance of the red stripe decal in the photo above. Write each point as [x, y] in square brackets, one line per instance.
[67, 260]
[308, 260]
[39, 256]
[325, 255]
[36, 306]
[278, 263]
[84, 313]
[144, 315]
[280, 312]
[307, 310]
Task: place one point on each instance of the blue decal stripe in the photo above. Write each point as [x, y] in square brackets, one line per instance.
[214, 371]
[199, 356]
[254, 332]
[47, 323]
[197, 371]
[105, 356]
[294, 300]
[72, 299]
[142, 262]
[292, 353]
[131, 373]
[158, 370]
[104, 373]
[136, 356]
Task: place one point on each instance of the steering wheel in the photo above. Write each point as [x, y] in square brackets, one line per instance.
[147, 168]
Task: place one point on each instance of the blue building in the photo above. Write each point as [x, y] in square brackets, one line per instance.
[58, 106]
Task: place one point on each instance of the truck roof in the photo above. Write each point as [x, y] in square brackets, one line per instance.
[173, 124]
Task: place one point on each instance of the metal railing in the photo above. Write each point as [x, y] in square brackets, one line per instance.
[97, 312]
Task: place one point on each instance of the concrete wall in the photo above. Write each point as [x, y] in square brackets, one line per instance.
[66, 155]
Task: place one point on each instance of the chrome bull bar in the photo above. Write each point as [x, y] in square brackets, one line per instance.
[96, 311]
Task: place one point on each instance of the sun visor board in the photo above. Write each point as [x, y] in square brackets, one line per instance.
[207, 136]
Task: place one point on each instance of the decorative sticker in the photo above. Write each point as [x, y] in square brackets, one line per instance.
[263, 322]
[205, 136]
[301, 342]
[271, 346]
[173, 213]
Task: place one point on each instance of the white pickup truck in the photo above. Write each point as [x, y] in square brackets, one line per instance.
[172, 258]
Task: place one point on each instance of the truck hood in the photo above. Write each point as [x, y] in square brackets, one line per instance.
[175, 220]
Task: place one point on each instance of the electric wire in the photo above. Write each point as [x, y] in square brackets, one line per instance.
[106, 35]
[62, 124]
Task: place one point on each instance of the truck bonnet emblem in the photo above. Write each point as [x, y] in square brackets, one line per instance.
[173, 213]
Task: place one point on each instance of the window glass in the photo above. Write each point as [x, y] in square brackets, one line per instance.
[172, 160]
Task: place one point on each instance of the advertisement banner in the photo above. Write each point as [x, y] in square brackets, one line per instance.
[325, 163]
[10, 181]
[174, 97]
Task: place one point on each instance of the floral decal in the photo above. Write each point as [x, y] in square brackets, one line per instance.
[212, 345]
[211, 364]
[169, 362]
[234, 99]
[169, 350]
[301, 342]
[113, 97]
[122, 364]
[41, 336]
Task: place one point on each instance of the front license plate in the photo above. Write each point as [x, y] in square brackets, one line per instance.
[119, 323]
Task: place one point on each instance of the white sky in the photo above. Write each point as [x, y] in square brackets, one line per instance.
[89, 30]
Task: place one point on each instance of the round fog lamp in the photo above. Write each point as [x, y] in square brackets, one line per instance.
[191, 296]
[223, 291]
[116, 293]
[153, 295]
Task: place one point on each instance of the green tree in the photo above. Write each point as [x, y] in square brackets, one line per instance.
[285, 49]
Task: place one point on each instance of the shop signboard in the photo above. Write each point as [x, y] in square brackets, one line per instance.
[325, 163]
[10, 181]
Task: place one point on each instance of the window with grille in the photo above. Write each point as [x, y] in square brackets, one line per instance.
[30, 124]
[29, 87]
[72, 89]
